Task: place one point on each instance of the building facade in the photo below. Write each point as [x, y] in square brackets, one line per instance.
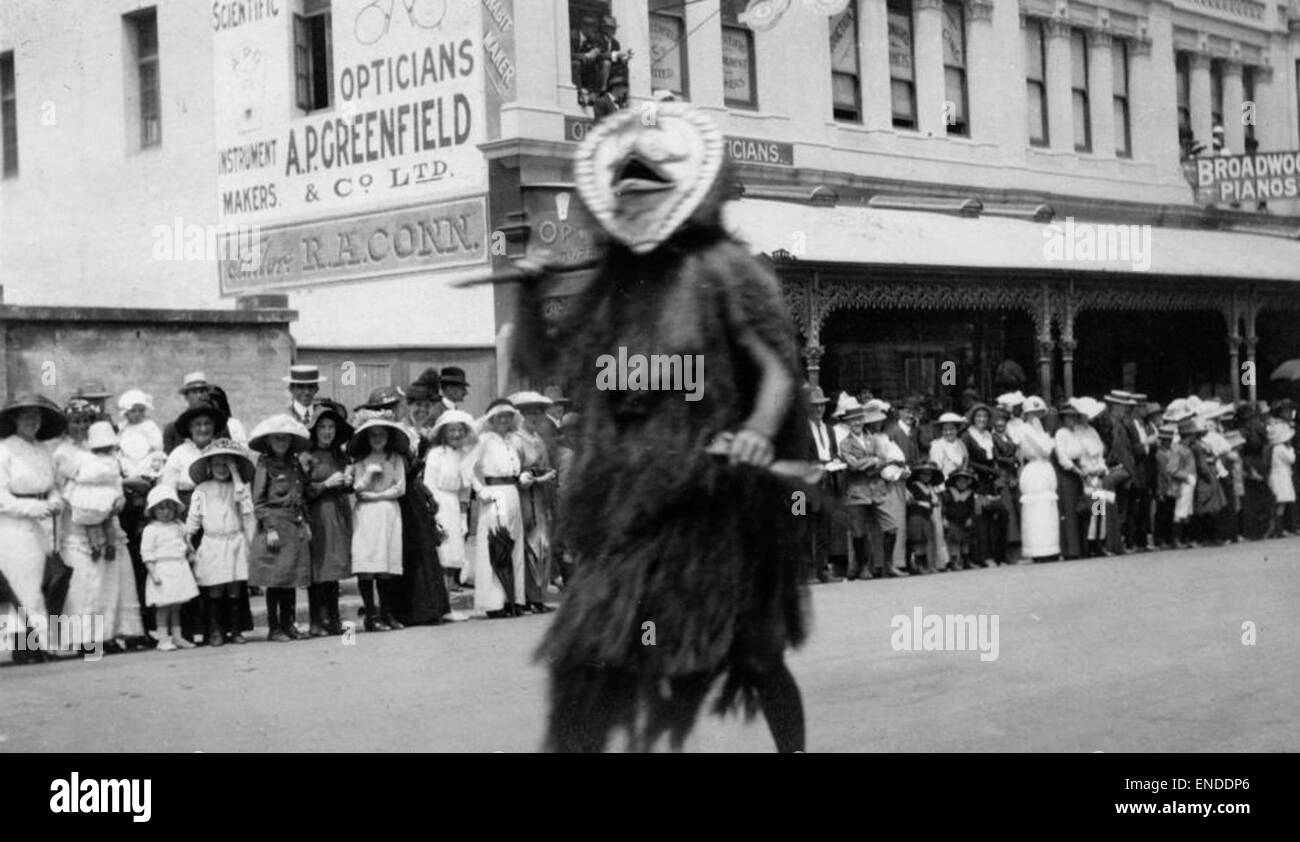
[981, 188]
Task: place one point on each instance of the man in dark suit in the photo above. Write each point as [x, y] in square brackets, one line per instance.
[905, 431]
[821, 450]
[1117, 435]
[304, 382]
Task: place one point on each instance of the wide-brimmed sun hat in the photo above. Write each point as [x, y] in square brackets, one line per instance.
[873, 414]
[1193, 426]
[160, 493]
[844, 404]
[101, 434]
[529, 400]
[1280, 433]
[201, 408]
[500, 406]
[385, 397]
[1033, 403]
[325, 408]
[453, 416]
[1010, 399]
[280, 424]
[970, 413]
[133, 398]
[927, 467]
[201, 468]
[1178, 411]
[399, 441]
[951, 418]
[1088, 407]
[959, 474]
[53, 422]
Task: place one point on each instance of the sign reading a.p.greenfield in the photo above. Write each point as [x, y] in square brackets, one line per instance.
[740, 150]
[365, 247]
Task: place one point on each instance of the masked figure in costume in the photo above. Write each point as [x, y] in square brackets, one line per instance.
[687, 561]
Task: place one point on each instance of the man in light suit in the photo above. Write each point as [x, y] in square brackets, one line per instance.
[864, 493]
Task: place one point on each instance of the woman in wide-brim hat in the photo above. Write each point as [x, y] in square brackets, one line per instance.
[452, 439]
[493, 468]
[535, 493]
[990, 543]
[1281, 480]
[198, 426]
[29, 498]
[1080, 460]
[1040, 519]
[947, 450]
[329, 507]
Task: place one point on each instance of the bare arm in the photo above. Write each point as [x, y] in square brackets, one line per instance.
[753, 443]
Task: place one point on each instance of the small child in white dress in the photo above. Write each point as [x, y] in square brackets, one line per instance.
[166, 555]
[140, 442]
[95, 493]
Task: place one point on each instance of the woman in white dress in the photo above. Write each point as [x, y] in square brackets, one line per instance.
[492, 469]
[1280, 478]
[452, 438]
[101, 586]
[29, 498]
[1040, 520]
[1080, 457]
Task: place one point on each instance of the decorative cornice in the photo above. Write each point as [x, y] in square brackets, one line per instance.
[1058, 28]
[981, 10]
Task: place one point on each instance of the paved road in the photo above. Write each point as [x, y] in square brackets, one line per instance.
[1142, 653]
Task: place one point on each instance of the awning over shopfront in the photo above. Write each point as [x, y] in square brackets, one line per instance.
[865, 235]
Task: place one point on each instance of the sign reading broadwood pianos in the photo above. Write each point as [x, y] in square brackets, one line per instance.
[371, 171]
[1248, 178]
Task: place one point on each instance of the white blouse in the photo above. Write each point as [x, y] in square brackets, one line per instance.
[1034, 443]
[176, 471]
[948, 455]
[25, 468]
[1082, 449]
[493, 456]
[138, 443]
[444, 471]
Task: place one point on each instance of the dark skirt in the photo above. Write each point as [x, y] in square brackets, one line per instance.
[422, 597]
[1256, 510]
[1069, 491]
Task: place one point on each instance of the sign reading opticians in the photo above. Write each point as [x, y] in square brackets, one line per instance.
[376, 245]
[1248, 178]
[396, 122]
[741, 150]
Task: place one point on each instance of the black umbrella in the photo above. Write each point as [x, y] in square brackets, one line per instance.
[501, 549]
[7, 595]
[57, 577]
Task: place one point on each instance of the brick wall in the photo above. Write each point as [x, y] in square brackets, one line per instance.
[52, 350]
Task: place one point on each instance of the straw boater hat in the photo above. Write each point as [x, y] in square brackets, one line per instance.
[1033, 403]
[843, 404]
[950, 418]
[325, 408]
[399, 441]
[284, 424]
[815, 395]
[1167, 431]
[93, 390]
[204, 407]
[194, 380]
[1193, 426]
[304, 375]
[99, 435]
[53, 422]
[1280, 433]
[161, 493]
[201, 468]
[133, 398]
[1120, 397]
[527, 400]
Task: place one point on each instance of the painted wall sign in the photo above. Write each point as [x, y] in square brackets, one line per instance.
[742, 150]
[563, 231]
[1248, 178]
[499, 58]
[365, 247]
[406, 104]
